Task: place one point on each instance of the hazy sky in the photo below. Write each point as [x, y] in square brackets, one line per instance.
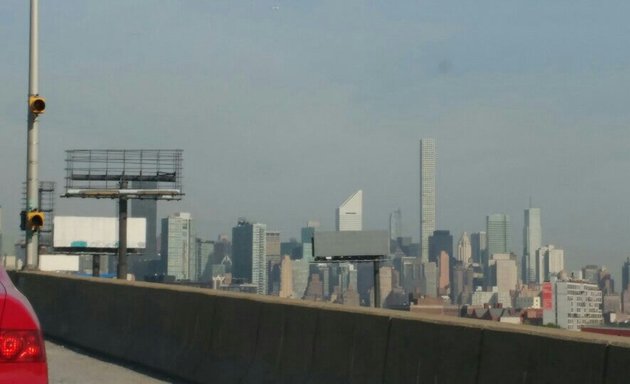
[284, 108]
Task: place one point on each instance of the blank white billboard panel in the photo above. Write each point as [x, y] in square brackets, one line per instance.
[97, 232]
[351, 243]
[59, 263]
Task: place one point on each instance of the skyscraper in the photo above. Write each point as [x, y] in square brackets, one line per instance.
[249, 261]
[464, 250]
[178, 246]
[395, 225]
[429, 279]
[532, 240]
[273, 260]
[204, 249]
[349, 215]
[498, 229]
[440, 240]
[505, 275]
[479, 245]
[549, 261]
[308, 233]
[300, 272]
[427, 195]
[286, 277]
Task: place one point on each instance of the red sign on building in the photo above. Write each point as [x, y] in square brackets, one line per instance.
[547, 295]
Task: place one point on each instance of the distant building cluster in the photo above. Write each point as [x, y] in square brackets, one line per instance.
[477, 274]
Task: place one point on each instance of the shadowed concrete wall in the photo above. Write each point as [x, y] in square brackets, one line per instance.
[206, 336]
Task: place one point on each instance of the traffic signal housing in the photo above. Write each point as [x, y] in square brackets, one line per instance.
[37, 104]
[23, 220]
[34, 220]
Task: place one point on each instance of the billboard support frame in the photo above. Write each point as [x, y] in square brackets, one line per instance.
[375, 260]
[92, 173]
[354, 247]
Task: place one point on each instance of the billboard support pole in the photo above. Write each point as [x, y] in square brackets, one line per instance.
[377, 285]
[122, 234]
[96, 265]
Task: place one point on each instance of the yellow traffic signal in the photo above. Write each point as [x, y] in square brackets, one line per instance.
[37, 104]
[34, 220]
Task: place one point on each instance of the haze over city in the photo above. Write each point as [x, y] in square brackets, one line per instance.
[283, 109]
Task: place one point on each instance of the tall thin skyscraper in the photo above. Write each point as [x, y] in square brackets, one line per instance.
[427, 195]
[532, 240]
[349, 215]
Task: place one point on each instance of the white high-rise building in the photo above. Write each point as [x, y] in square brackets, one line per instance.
[259, 258]
[464, 250]
[574, 304]
[427, 195]
[178, 246]
[549, 262]
[554, 260]
[532, 240]
[349, 215]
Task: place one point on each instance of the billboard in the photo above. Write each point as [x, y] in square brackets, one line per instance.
[59, 262]
[348, 244]
[97, 232]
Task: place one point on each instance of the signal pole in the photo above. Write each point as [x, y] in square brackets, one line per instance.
[32, 138]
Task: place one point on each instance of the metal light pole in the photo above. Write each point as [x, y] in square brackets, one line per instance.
[32, 156]
[121, 270]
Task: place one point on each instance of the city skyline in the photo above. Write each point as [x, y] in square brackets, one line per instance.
[273, 94]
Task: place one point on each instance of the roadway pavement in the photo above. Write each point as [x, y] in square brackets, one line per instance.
[67, 365]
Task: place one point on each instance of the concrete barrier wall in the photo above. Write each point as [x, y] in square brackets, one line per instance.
[205, 336]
